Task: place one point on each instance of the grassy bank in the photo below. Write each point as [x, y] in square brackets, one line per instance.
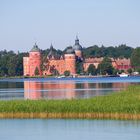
[122, 105]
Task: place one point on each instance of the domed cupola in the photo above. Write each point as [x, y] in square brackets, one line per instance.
[70, 60]
[77, 46]
[70, 50]
[35, 48]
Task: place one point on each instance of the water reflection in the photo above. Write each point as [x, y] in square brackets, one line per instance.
[59, 89]
[32, 90]
[38, 90]
[68, 90]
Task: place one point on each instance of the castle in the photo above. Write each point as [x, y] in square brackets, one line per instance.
[67, 62]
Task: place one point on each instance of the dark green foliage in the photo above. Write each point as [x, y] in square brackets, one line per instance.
[135, 58]
[67, 73]
[105, 67]
[11, 64]
[130, 71]
[19, 64]
[36, 71]
[79, 67]
[115, 71]
[91, 70]
[55, 72]
[44, 60]
[115, 52]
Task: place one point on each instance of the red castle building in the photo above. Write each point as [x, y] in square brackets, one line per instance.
[32, 62]
[67, 62]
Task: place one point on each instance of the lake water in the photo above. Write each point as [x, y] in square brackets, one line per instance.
[65, 129]
[65, 88]
[37, 129]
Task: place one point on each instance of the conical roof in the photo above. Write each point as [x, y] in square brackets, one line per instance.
[52, 53]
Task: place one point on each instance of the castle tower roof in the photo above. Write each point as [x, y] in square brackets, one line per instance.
[35, 48]
[70, 50]
[52, 53]
[77, 45]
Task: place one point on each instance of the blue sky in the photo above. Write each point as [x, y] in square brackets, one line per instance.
[108, 22]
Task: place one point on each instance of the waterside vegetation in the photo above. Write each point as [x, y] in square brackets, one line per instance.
[121, 105]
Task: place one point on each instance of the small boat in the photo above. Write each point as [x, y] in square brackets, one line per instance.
[123, 75]
[62, 76]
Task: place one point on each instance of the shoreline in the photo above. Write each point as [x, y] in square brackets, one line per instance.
[122, 105]
[59, 77]
[110, 116]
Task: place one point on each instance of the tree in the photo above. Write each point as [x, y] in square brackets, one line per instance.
[79, 67]
[135, 58]
[11, 64]
[36, 71]
[19, 63]
[44, 62]
[129, 71]
[67, 73]
[91, 69]
[55, 72]
[115, 52]
[115, 71]
[105, 67]
[3, 66]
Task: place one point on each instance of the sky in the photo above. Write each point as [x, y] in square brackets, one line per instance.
[107, 22]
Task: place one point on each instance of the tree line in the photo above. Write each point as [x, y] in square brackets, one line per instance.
[121, 51]
[11, 63]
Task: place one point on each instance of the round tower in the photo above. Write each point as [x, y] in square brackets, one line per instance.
[77, 48]
[70, 61]
[35, 61]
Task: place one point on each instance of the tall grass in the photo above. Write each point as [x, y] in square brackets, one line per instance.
[125, 103]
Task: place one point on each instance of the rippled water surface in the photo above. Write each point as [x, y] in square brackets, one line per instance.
[65, 88]
[65, 129]
[69, 130]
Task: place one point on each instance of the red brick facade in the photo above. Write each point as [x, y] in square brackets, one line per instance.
[32, 63]
[64, 63]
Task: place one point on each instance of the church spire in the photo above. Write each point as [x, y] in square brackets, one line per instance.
[51, 47]
[77, 40]
[52, 53]
[77, 37]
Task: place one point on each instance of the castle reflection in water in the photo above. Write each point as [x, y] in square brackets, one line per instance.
[68, 90]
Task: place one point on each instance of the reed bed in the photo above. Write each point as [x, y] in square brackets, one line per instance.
[120, 105]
